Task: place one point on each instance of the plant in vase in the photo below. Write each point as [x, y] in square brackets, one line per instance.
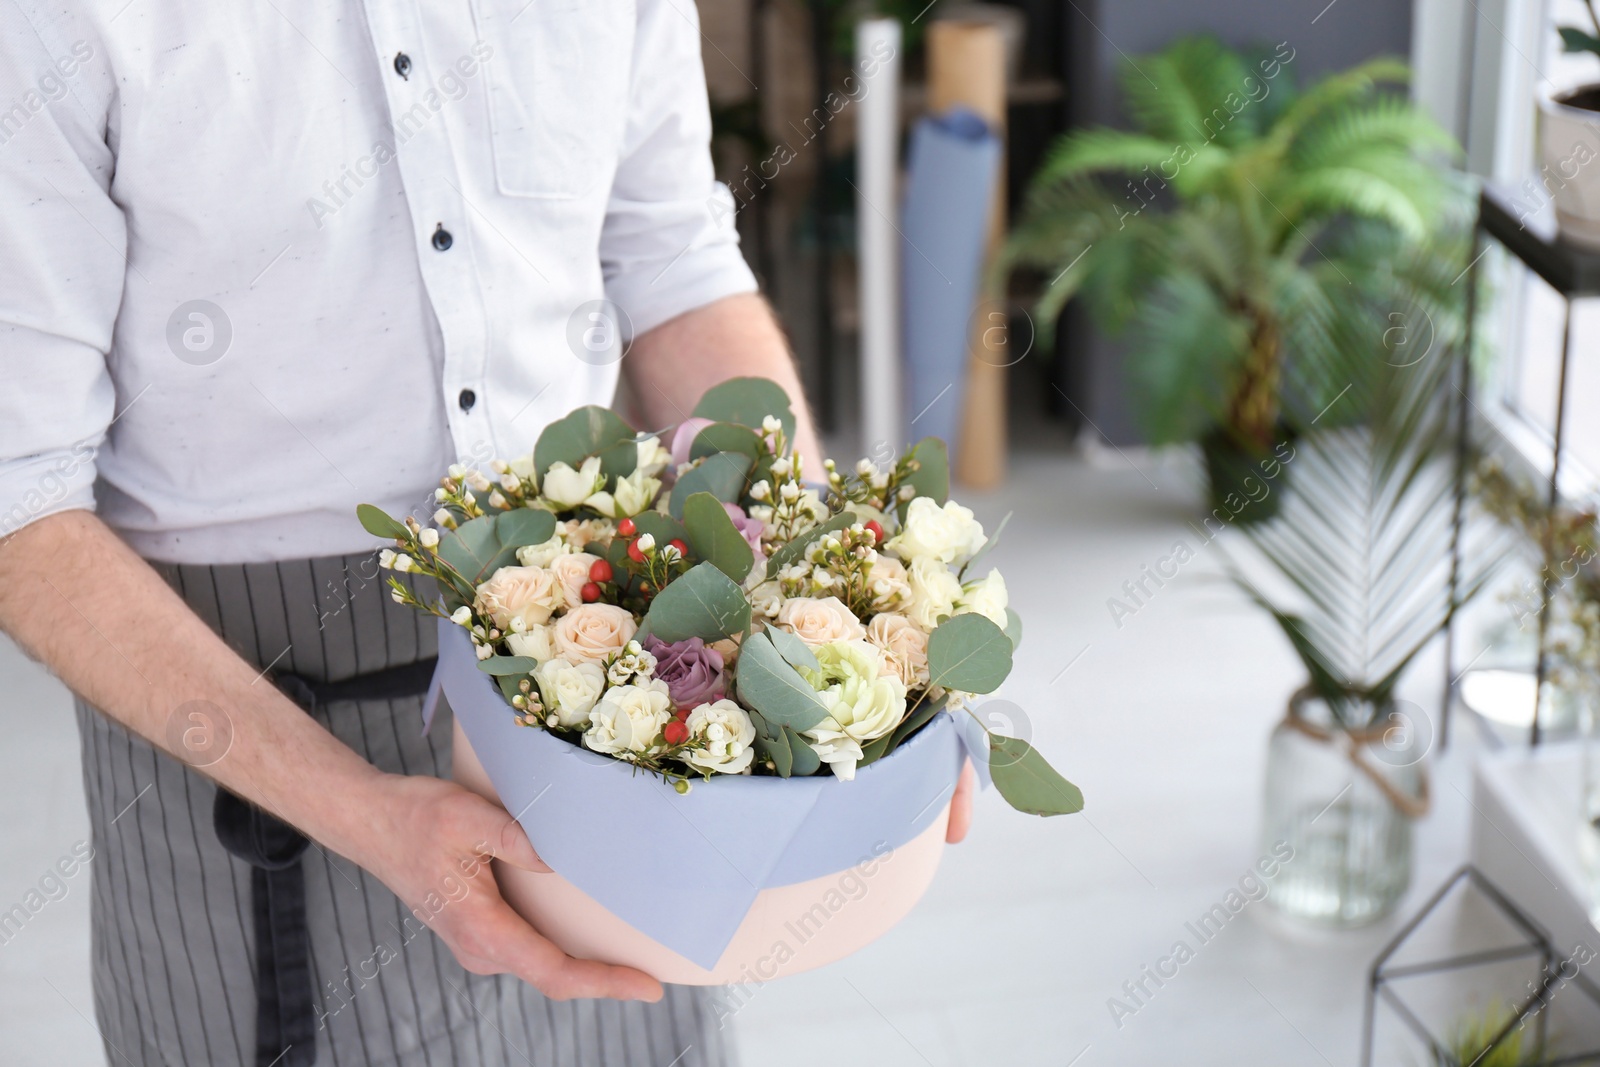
[1359, 568]
[1569, 127]
[1242, 229]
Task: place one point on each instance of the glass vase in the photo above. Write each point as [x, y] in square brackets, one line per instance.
[1339, 802]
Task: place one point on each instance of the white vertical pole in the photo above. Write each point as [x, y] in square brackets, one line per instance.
[877, 208]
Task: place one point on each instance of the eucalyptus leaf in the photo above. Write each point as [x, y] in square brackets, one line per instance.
[721, 475]
[806, 760]
[521, 527]
[768, 683]
[873, 750]
[471, 547]
[715, 539]
[989, 543]
[1027, 781]
[619, 461]
[663, 528]
[914, 722]
[509, 685]
[795, 550]
[969, 653]
[703, 602]
[747, 401]
[726, 437]
[932, 476]
[778, 751]
[499, 665]
[791, 648]
[586, 432]
[377, 522]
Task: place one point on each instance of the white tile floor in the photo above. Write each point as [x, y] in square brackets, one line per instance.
[1032, 925]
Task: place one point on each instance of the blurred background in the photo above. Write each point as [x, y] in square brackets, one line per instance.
[1266, 324]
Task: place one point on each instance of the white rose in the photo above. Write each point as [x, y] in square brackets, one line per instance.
[886, 578]
[986, 596]
[728, 734]
[526, 593]
[634, 493]
[653, 459]
[863, 703]
[934, 591]
[536, 642]
[570, 690]
[628, 719]
[947, 534]
[572, 574]
[589, 633]
[567, 488]
[904, 646]
[544, 553]
[819, 622]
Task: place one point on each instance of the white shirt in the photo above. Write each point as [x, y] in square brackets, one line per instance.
[278, 161]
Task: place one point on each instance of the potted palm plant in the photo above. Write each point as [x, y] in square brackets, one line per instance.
[1240, 222]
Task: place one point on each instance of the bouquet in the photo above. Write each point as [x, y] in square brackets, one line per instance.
[704, 615]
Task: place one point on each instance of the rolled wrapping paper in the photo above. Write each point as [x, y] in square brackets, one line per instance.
[877, 181]
[685, 870]
[954, 160]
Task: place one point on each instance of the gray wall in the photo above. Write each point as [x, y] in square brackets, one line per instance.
[1324, 39]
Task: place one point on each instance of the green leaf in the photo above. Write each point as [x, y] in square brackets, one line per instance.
[747, 401]
[377, 522]
[1576, 40]
[500, 665]
[970, 653]
[989, 543]
[874, 750]
[1014, 628]
[721, 475]
[726, 437]
[795, 550]
[521, 527]
[619, 461]
[768, 683]
[932, 476]
[481, 546]
[914, 722]
[589, 431]
[791, 648]
[778, 751]
[510, 685]
[703, 603]
[714, 538]
[663, 528]
[1027, 781]
[806, 760]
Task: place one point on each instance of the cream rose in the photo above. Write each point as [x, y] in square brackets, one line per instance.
[526, 593]
[729, 738]
[634, 493]
[948, 533]
[570, 690]
[904, 646]
[651, 458]
[544, 553]
[934, 592]
[986, 596]
[567, 488]
[589, 633]
[572, 574]
[536, 642]
[863, 703]
[886, 577]
[819, 621]
[628, 719]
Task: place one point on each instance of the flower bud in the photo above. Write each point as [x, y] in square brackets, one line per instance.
[429, 538]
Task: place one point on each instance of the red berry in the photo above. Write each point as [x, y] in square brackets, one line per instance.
[600, 571]
[675, 732]
[590, 592]
[876, 529]
[681, 714]
[627, 528]
[683, 549]
[634, 553]
[644, 587]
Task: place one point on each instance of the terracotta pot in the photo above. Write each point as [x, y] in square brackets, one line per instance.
[789, 929]
[1569, 151]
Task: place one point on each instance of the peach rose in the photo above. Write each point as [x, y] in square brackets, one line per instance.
[819, 622]
[571, 574]
[904, 646]
[526, 593]
[591, 632]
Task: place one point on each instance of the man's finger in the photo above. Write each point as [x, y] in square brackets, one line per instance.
[521, 951]
[509, 842]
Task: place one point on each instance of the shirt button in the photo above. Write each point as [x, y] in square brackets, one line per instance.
[467, 399]
[442, 239]
[402, 65]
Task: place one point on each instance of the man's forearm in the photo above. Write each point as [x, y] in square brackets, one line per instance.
[672, 365]
[79, 600]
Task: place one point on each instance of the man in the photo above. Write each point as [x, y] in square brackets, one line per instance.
[262, 263]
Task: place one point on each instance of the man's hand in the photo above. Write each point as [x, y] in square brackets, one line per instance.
[432, 846]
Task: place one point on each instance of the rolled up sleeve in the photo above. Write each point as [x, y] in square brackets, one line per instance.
[62, 262]
[669, 244]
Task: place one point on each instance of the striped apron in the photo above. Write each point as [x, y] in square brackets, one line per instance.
[173, 931]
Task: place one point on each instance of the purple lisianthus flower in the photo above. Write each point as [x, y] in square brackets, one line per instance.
[692, 671]
[751, 529]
